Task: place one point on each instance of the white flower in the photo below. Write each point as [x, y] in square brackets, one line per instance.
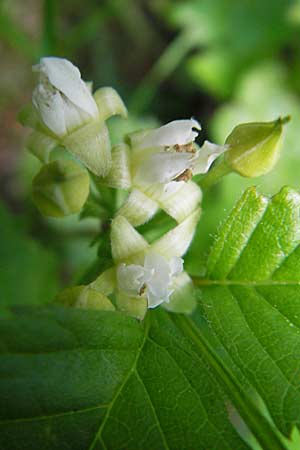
[146, 276]
[153, 279]
[149, 275]
[170, 153]
[157, 167]
[62, 99]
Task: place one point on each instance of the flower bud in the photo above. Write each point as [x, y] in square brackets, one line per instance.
[61, 98]
[84, 297]
[254, 148]
[66, 113]
[61, 188]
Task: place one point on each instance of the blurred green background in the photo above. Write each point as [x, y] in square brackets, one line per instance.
[223, 62]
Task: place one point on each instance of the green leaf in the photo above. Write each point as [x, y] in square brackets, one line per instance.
[83, 380]
[28, 272]
[251, 298]
[96, 380]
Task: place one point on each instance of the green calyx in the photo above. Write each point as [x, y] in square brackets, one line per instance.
[60, 188]
[85, 297]
[254, 148]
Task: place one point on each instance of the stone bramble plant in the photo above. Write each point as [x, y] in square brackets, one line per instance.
[144, 355]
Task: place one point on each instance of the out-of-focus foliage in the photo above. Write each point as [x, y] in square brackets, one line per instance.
[28, 273]
[232, 36]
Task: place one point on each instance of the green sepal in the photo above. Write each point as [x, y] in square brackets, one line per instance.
[119, 176]
[84, 297]
[41, 145]
[109, 103]
[91, 145]
[126, 243]
[138, 208]
[105, 282]
[132, 306]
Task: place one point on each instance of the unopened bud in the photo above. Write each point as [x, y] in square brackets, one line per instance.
[254, 148]
[61, 188]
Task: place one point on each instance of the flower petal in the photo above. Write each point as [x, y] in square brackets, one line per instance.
[177, 241]
[49, 104]
[74, 116]
[206, 156]
[179, 132]
[130, 278]
[109, 103]
[138, 208]
[162, 167]
[65, 77]
[158, 272]
[182, 299]
[126, 243]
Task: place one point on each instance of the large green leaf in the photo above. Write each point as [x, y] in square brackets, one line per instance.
[83, 380]
[251, 298]
[73, 379]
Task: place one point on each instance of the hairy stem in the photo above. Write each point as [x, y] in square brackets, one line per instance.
[218, 171]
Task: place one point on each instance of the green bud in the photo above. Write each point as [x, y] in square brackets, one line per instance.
[84, 297]
[61, 188]
[254, 148]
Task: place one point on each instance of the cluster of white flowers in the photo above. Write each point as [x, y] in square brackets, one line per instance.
[155, 166]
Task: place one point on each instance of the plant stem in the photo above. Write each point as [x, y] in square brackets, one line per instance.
[86, 30]
[135, 23]
[162, 69]
[215, 175]
[49, 31]
[261, 428]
